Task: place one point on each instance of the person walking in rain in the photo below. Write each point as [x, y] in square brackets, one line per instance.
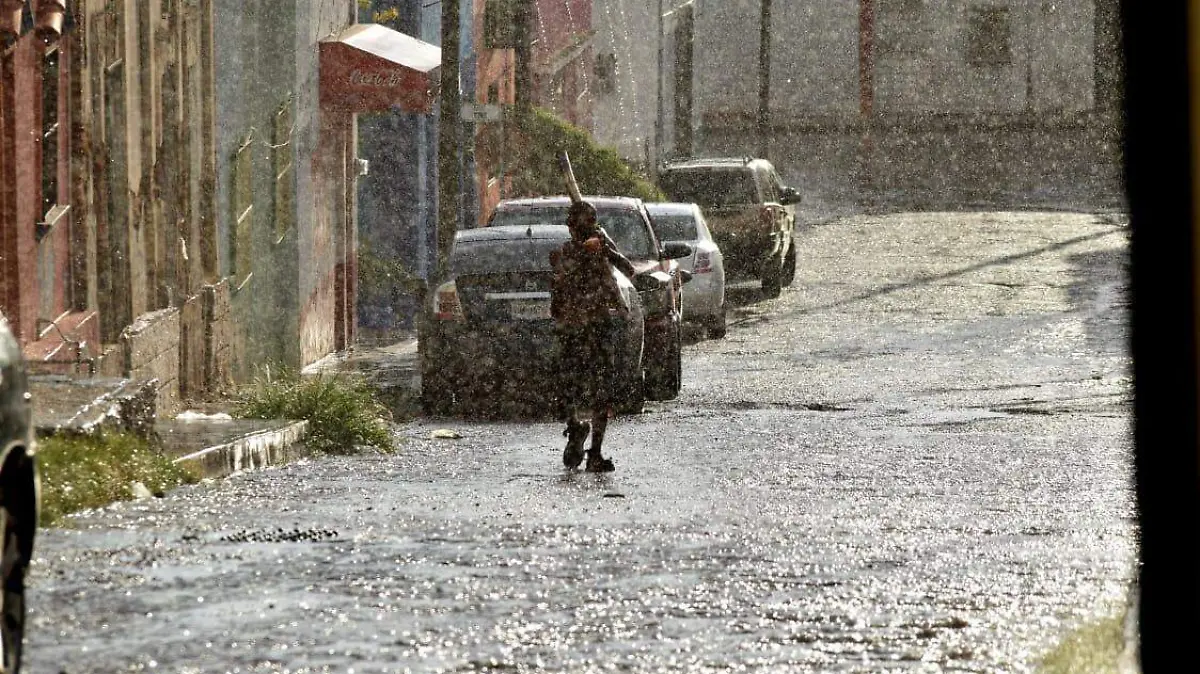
[587, 307]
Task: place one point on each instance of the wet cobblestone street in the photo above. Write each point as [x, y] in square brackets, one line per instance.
[918, 459]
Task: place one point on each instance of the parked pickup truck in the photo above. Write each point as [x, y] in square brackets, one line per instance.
[750, 212]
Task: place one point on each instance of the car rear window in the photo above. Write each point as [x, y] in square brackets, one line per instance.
[626, 228]
[710, 187]
[500, 256]
[675, 227]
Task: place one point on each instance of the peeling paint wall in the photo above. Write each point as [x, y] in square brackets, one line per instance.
[151, 346]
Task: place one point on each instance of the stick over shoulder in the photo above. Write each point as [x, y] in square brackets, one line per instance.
[564, 163]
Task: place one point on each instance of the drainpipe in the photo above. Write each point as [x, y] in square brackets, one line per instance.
[468, 216]
[449, 132]
[658, 111]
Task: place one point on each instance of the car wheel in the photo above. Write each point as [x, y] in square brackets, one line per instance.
[716, 326]
[437, 397]
[666, 376]
[789, 265]
[772, 278]
[18, 518]
[632, 397]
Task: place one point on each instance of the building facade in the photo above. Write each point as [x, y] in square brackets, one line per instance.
[398, 198]
[834, 64]
[290, 142]
[188, 197]
[284, 172]
[629, 73]
[563, 59]
[114, 265]
[493, 83]
[40, 254]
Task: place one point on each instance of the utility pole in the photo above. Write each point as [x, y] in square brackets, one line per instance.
[523, 54]
[449, 131]
[658, 113]
[866, 86]
[764, 80]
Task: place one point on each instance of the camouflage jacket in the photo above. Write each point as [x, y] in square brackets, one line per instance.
[584, 288]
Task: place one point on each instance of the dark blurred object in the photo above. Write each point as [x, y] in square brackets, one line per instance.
[18, 497]
[1160, 137]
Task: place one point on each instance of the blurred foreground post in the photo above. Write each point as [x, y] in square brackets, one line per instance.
[1162, 146]
[449, 132]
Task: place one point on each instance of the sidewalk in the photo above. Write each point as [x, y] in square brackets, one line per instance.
[208, 439]
[393, 368]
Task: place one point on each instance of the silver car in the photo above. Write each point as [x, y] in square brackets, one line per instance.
[704, 295]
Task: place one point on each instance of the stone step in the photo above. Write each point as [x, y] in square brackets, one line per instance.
[66, 404]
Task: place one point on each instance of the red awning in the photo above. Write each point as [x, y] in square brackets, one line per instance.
[370, 68]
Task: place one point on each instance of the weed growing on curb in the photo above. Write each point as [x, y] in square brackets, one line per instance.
[342, 412]
[89, 471]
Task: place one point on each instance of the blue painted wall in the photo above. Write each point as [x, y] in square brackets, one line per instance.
[397, 201]
[397, 213]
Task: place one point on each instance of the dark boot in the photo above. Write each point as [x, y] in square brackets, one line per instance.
[576, 433]
[596, 463]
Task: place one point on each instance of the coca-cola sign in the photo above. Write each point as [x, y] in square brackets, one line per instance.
[390, 78]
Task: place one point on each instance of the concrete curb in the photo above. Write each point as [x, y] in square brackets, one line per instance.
[253, 451]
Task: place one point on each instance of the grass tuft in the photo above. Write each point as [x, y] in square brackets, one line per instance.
[89, 471]
[1095, 648]
[342, 412]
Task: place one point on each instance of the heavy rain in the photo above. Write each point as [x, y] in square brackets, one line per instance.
[567, 336]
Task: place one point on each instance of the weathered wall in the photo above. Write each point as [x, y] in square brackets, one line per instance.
[922, 66]
[192, 329]
[133, 165]
[256, 70]
[23, 259]
[218, 336]
[285, 189]
[151, 349]
[325, 147]
[624, 111]
[1043, 59]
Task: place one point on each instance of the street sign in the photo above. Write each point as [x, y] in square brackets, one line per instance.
[482, 112]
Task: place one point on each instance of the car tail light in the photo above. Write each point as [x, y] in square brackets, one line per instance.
[446, 306]
[703, 263]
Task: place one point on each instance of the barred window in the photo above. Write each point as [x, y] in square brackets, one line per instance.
[989, 36]
[50, 131]
[606, 73]
[242, 203]
[281, 160]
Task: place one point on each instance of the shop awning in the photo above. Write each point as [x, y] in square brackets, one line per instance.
[370, 68]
